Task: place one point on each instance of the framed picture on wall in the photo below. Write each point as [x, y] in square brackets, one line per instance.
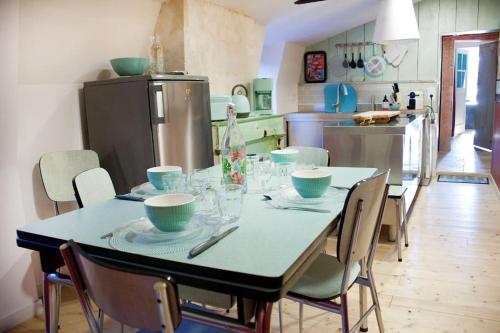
[315, 67]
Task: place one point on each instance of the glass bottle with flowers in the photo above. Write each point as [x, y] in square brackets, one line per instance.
[233, 152]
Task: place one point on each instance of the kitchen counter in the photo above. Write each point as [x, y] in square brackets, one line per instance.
[306, 128]
[395, 126]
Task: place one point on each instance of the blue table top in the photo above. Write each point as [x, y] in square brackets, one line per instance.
[267, 245]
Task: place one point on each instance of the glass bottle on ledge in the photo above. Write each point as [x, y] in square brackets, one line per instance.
[233, 152]
[156, 59]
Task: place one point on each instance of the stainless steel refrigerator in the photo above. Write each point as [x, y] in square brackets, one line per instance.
[134, 123]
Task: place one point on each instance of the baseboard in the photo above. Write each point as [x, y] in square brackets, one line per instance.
[20, 316]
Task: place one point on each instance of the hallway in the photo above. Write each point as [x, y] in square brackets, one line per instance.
[464, 157]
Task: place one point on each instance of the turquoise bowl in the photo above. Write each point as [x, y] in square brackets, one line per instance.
[155, 175]
[170, 212]
[395, 106]
[288, 155]
[129, 66]
[311, 183]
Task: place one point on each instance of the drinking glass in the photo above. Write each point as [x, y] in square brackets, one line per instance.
[230, 202]
[175, 183]
[262, 175]
[198, 181]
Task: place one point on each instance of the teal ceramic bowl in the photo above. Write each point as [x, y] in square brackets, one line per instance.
[285, 155]
[155, 175]
[311, 183]
[395, 106]
[170, 212]
[129, 66]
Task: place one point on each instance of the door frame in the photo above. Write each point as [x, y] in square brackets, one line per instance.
[446, 115]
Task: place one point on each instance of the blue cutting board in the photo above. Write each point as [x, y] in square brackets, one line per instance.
[347, 103]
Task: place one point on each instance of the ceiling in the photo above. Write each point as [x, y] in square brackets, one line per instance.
[306, 23]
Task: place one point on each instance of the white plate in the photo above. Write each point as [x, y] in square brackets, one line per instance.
[141, 236]
[146, 189]
[290, 195]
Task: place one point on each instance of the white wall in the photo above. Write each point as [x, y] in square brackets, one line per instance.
[281, 62]
[288, 77]
[222, 44]
[47, 49]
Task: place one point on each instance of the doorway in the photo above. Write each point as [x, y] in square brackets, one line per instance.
[468, 79]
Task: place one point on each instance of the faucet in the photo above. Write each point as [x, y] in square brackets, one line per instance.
[344, 92]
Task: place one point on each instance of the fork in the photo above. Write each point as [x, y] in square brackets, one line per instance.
[306, 209]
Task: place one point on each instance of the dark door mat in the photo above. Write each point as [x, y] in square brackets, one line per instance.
[463, 179]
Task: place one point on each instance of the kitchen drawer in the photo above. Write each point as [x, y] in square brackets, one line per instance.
[257, 129]
[261, 134]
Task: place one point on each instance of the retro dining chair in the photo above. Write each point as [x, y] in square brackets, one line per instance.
[313, 155]
[134, 298]
[57, 170]
[93, 187]
[329, 277]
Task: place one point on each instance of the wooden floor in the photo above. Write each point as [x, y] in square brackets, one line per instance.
[464, 157]
[448, 280]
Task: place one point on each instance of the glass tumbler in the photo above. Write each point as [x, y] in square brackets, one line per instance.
[230, 202]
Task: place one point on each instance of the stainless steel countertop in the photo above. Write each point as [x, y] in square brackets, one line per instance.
[333, 116]
[395, 126]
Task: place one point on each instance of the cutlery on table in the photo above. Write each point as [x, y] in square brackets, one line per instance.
[128, 197]
[208, 243]
[306, 209]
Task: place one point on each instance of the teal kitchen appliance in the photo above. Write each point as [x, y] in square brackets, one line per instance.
[263, 96]
[345, 101]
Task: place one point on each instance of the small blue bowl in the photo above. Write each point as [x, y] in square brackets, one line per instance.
[170, 212]
[288, 155]
[311, 183]
[155, 175]
[395, 106]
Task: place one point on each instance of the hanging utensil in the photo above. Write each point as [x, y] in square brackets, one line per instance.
[352, 64]
[345, 63]
[375, 66]
[360, 63]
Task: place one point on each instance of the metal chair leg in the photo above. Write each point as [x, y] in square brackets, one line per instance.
[100, 319]
[280, 315]
[301, 317]
[378, 312]
[344, 313]
[405, 220]
[362, 298]
[398, 230]
[51, 299]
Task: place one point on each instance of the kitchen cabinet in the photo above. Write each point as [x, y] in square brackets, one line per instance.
[261, 133]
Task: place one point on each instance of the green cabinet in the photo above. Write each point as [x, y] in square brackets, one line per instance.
[262, 134]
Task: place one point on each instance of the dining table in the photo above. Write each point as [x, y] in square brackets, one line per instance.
[258, 263]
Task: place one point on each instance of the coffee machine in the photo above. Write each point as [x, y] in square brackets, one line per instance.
[262, 96]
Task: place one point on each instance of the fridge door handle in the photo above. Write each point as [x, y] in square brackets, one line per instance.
[159, 107]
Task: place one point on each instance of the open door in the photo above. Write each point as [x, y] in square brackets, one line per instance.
[486, 81]
[461, 60]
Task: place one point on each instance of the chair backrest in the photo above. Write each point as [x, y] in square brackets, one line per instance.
[59, 168]
[361, 218]
[92, 187]
[313, 155]
[134, 299]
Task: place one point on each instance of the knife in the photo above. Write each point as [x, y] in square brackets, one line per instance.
[208, 243]
[128, 197]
